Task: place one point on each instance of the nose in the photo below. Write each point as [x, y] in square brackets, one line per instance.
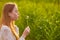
[17, 14]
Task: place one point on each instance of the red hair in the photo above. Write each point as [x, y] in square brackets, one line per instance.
[5, 18]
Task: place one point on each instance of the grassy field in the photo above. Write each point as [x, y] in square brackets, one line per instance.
[42, 17]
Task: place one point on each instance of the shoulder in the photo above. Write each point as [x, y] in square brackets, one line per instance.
[5, 28]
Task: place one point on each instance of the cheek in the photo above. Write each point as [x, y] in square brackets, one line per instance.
[14, 16]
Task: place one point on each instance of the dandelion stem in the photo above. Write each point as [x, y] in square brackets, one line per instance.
[27, 22]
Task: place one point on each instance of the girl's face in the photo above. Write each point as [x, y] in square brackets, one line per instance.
[14, 14]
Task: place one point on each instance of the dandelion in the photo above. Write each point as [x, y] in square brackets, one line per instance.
[27, 17]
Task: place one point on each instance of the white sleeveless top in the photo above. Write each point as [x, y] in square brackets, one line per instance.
[6, 34]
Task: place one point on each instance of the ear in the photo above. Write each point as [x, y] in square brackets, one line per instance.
[9, 14]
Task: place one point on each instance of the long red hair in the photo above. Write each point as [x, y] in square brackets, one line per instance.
[5, 18]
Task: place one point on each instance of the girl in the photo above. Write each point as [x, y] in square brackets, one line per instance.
[8, 29]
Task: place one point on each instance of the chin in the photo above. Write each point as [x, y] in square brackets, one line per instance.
[16, 19]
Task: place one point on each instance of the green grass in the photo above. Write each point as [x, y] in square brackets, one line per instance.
[44, 19]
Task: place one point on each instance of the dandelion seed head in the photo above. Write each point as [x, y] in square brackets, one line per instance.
[27, 17]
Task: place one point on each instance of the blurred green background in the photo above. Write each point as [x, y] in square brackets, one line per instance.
[43, 17]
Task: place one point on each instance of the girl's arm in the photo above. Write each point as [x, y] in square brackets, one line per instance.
[25, 33]
[17, 30]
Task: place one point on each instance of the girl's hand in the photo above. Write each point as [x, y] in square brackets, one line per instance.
[26, 32]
